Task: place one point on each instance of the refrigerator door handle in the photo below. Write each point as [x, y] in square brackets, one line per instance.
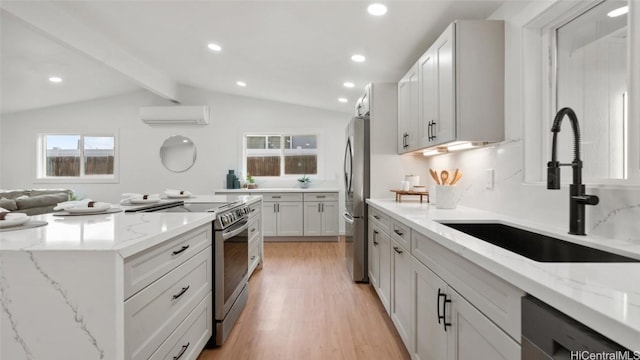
[348, 218]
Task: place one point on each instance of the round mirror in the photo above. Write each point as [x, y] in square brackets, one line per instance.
[178, 153]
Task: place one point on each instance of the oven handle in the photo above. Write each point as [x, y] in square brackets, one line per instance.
[236, 229]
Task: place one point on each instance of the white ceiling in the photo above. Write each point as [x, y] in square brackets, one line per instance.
[288, 51]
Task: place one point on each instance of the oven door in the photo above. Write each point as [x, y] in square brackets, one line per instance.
[231, 265]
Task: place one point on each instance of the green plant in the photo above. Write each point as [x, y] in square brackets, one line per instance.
[250, 179]
[304, 179]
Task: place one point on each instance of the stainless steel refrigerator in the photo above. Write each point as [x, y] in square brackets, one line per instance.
[356, 183]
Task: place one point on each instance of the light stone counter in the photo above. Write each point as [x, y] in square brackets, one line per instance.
[278, 190]
[61, 285]
[603, 296]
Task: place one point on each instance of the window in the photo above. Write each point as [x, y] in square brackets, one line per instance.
[77, 157]
[579, 54]
[281, 155]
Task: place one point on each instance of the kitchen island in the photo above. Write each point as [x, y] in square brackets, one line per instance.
[602, 296]
[67, 288]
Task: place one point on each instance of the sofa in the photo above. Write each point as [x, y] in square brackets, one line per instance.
[33, 201]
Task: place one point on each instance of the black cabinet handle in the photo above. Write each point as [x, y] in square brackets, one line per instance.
[444, 313]
[375, 234]
[184, 290]
[253, 229]
[444, 309]
[396, 249]
[185, 247]
[433, 130]
[253, 257]
[276, 196]
[376, 217]
[400, 233]
[182, 351]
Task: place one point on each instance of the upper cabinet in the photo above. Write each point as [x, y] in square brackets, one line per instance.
[455, 92]
[408, 111]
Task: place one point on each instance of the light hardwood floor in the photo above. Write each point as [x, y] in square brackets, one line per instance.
[302, 305]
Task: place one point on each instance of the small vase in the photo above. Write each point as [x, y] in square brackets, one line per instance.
[304, 185]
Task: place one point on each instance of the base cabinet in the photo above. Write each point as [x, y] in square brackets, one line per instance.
[443, 306]
[380, 263]
[285, 214]
[320, 218]
[256, 240]
[448, 327]
[282, 218]
[401, 297]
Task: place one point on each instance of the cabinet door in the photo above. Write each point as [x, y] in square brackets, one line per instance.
[289, 218]
[374, 256]
[428, 98]
[312, 218]
[430, 340]
[269, 218]
[408, 111]
[401, 293]
[384, 279]
[473, 336]
[445, 63]
[330, 225]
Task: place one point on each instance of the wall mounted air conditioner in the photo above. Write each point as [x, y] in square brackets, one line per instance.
[175, 115]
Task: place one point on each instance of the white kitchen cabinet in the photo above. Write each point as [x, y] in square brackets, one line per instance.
[380, 261]
[282, 218]
[282, 214]
[448, 327]
[321, 214]
[431, 287]
[256, 240]
[167, 288]
[430, 341]
[460, 83]
[401, 292]
[408, 110]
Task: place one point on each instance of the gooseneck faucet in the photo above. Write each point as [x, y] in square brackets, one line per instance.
[577, 197]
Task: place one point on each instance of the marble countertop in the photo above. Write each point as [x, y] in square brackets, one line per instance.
[125, 233]
[603, 296]
[219, 199]
[271, 190]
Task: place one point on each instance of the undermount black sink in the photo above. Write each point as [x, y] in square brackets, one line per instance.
[535, 246]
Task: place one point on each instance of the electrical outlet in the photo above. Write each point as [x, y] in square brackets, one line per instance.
[488, 173]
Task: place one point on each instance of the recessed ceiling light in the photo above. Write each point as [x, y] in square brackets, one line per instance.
[241, 83]
[619, 11]
[343, 100]
[358, 58]
[214, 47]
[55, 79]
[377, 9]
[348, 84]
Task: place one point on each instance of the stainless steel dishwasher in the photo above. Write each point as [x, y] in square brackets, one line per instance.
[550, 334]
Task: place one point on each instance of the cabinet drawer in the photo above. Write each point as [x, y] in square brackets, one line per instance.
[380, 219]
[144, 268]
[280, 197]
[401, 233]
[190, 337]
[320, 196]
[254, 254]
[254, 230]
[255, 209]
[153, 313]
[495, 298]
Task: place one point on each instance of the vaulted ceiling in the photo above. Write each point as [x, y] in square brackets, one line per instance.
[288, 51]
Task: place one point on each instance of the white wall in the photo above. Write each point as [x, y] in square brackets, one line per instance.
[218, 144]
[614, 218]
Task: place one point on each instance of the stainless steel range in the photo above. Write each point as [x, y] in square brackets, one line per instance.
[230, 259]
[231, 253]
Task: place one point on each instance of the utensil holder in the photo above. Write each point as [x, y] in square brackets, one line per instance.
[446, 195]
